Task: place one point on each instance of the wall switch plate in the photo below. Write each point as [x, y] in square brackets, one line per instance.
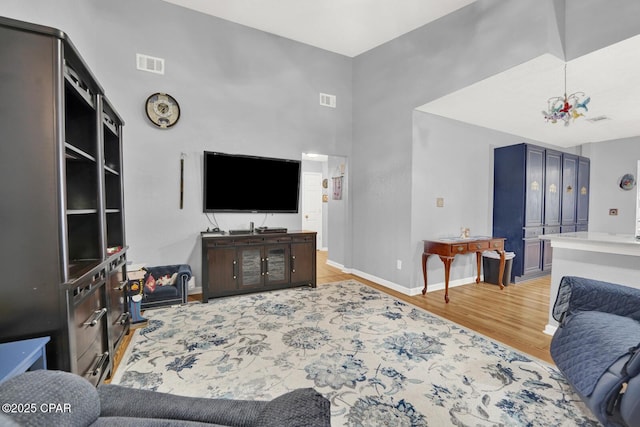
[613, 212]
[440, 202]
[399, 264]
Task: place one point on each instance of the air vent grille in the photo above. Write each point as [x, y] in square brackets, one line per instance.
[327, 100]
[598, 119]
[150, 63]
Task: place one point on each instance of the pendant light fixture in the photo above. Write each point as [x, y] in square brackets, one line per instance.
[564, 108]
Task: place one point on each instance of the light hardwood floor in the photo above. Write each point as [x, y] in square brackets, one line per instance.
[515, 316]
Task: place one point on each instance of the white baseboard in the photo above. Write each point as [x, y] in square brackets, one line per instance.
[336, 265]
[412, 291]
[550, 329]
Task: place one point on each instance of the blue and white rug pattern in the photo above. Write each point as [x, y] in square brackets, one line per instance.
[380, 361]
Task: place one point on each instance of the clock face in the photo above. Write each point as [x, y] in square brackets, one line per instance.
[163, 110]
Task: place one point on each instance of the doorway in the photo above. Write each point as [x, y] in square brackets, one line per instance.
[324, 209]
[312, 210]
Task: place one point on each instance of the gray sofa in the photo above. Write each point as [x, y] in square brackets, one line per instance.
[597, 347]
[56, 398]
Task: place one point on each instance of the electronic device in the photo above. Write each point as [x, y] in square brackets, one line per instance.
[214, 230]
[240, 183]
[240, 232]
[263, 230]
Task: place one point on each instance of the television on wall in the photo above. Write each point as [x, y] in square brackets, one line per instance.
[240, 183]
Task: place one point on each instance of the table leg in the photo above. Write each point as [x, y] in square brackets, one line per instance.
[447, 268]
[501, 270]
[478, 258]
[424, 271]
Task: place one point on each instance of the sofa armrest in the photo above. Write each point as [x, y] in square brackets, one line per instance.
[117, 400]
[74, 399]
[580, 294]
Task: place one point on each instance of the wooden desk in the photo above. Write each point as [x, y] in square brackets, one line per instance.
[20, 356]
[447, 249]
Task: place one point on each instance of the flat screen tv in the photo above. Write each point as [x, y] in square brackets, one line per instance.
[239, 183]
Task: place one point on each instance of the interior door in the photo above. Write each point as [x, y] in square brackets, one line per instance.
[312, 204]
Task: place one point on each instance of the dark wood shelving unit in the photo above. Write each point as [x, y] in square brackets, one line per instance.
[62, 142]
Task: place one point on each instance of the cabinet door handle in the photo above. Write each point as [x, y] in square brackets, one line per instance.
[293, 263]
[262, 267]
[123, 319]
[235, 269]
[99, 364]
[95, 317]
[120, 286]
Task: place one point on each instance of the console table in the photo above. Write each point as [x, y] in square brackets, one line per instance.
[448, 248]
[20, 356]
[251, 262]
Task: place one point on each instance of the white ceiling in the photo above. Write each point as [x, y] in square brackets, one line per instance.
[513, 101]
[348, 27]
[510, 102]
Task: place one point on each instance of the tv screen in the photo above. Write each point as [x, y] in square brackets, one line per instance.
[239, 183]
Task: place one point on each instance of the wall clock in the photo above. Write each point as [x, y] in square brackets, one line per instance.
[163, 110]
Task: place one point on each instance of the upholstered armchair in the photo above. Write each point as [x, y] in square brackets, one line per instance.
[165, 285]
[597, 347]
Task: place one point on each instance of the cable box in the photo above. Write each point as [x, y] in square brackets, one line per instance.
[264, 230]
[239, 231]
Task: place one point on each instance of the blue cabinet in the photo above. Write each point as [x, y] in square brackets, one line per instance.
[553, 187]
[537, 191]
[582, 202]
[569, 183]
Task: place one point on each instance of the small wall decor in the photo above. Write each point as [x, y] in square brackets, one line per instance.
[337, 188]
[182, 156]
[627, 182]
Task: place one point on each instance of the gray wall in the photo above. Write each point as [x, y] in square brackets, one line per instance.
[240, 91]
[484, 38]
[469, 45]
[609, 161]
[452, 160]
[245, 91]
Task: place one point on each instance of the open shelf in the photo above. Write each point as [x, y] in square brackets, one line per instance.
[115, 229]
[83, 233]
[111, 137]
[75, 83]
[82, 184]
[80, 123]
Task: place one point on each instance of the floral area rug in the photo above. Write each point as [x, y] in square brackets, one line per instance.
[380, 361]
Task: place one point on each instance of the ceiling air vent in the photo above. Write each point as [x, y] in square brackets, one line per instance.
[327, 100]
[150, 63]
[598, 119]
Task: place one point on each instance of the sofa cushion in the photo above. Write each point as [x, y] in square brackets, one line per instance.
[301, 407]
[588, 343]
